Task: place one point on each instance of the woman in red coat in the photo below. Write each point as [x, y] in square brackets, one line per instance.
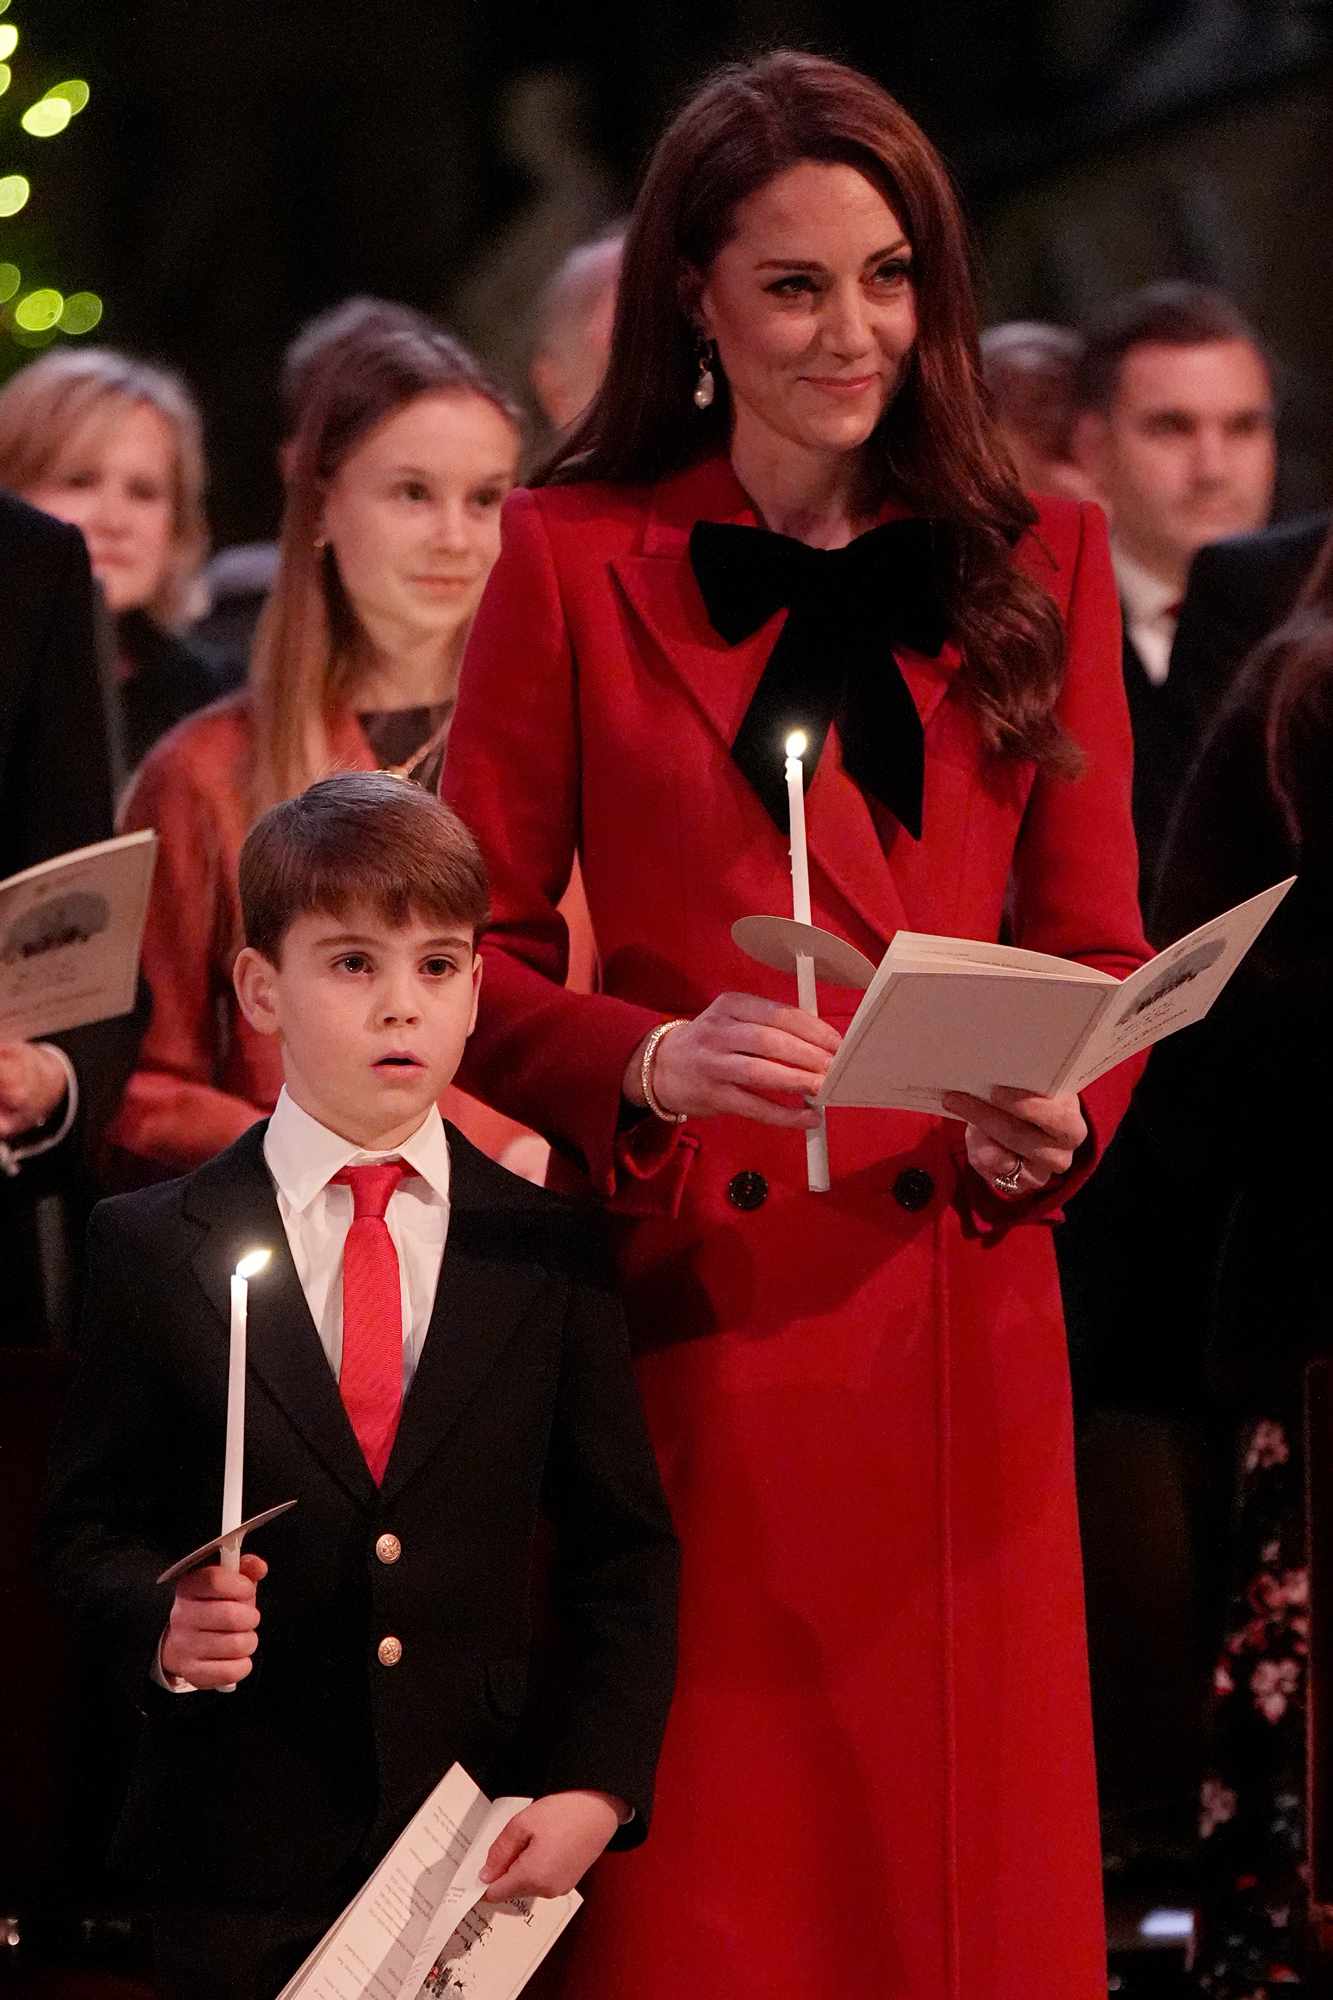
[787, 506]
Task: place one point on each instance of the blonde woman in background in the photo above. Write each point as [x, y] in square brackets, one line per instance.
[404, 453]
[116, 447]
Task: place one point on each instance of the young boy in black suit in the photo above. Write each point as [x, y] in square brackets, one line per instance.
[436, 1358]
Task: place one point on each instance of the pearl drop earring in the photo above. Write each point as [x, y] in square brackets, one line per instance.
[706, 387]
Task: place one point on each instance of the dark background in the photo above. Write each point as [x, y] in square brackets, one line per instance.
[244, 162]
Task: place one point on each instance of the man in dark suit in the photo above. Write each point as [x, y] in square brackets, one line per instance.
[57, 774]
[436, 1358]
[1175, 429]
[1239, 591]
[57, 770]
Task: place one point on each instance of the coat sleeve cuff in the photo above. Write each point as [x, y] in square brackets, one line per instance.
[650, 1163]
[637, 1165]
[568, 1771]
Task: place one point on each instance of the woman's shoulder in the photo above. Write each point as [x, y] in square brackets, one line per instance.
[606, 519]
[585, 505]
[1064, 532]
[209, 751]
[225, 726]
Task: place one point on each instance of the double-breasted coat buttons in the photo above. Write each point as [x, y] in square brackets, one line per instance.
[389, 1651]
[913, 1188]
[747, 1190]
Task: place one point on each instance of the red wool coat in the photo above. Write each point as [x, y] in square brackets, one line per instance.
[878, 1773]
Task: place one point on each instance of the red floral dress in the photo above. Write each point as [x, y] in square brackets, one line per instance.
[1251, 1938]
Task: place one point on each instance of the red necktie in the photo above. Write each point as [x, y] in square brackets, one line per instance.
[371, 1379]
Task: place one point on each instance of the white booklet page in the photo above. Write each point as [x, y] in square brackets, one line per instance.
[70, 933]
[419, 1923]
[945, 1014]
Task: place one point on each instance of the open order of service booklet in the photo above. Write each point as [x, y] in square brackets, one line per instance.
[70, 934]
[419, 1929]
[946, 1014]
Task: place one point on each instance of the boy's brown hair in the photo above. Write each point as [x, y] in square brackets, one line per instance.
[362, 837]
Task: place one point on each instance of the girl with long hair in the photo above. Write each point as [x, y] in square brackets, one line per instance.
[116, 446]
[788, 506]
[404, 453]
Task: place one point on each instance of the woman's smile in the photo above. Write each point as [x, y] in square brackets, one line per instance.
[841, 385]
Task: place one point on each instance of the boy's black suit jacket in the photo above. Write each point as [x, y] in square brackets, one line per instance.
[523, 1402]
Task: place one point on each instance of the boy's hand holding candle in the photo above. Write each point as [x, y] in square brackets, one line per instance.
[213, 1631]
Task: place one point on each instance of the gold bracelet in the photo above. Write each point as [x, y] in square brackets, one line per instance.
[646, 1075]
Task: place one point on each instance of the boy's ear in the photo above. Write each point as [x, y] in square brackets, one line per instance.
[476, 986]
[254, 978]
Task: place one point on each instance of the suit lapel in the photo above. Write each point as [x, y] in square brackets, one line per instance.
[233, 1198]
[721, 680]
[1161, 704]
[483, 1296]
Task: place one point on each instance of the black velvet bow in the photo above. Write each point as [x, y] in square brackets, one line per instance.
[846, 610]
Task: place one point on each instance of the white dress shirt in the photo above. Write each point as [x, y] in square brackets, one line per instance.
[1152, 612]
[303, 1156]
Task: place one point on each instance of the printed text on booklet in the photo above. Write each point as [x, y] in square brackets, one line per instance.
[418, 1930]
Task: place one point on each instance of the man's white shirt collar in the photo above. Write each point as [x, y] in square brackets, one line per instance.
[1151, 607]
[1145, 596]
[303, 1155]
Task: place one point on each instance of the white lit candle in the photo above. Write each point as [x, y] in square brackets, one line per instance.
[800, 860]
[233, 1464]
[807, 998]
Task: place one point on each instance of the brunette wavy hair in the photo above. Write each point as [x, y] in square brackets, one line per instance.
[302, 669]
[1299, 725]
[936, 447]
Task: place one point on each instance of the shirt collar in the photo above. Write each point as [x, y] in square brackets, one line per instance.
[1146, 598]
[303, 1155]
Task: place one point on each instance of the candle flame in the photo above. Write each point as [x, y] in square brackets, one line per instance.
[796, 743]
[252, 1263]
